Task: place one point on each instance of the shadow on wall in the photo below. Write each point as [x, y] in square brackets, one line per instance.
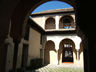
[34, 64]
[49, 46]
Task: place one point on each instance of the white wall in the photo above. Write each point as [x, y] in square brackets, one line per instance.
[38, 20]
[58, 38]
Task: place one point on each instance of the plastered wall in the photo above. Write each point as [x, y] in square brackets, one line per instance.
[34, 45]
[57, 39]
[40, 20]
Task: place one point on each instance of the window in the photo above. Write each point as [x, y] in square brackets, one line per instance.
[50, 23]
[66, 22]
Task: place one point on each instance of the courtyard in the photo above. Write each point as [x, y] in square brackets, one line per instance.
[59, 68]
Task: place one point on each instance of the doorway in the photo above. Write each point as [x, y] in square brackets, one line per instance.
[67, 52]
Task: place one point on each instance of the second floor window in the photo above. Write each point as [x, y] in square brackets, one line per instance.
[50, 23]
[66, 22]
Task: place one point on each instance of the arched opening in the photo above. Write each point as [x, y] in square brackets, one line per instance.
[66, 22]
[49, 49]
[66, 49]
[50, 23]
[23, 12]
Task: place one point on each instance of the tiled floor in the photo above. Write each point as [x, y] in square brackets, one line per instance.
[59, 68]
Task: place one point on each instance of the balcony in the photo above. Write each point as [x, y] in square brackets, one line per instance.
[64, 28]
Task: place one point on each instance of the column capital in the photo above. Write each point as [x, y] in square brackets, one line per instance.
[57, 46]
[77, 42]
[8, 40]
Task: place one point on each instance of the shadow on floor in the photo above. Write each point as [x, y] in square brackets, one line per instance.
[34, 64]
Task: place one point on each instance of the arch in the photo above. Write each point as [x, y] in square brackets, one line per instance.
[49, 46]
[66, 22]
[47, 43]
[21, 13]
[50, 23]
[66, 46]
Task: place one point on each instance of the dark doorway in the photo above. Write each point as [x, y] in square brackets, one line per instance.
[66, 49]
[67, 52]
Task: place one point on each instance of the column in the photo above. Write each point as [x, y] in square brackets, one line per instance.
[43, 46]
[57, 58]
[77, 49]
[57, 22]
[78, 54]
[57, 48]
[43, 55]
[19, 54]
[43, 22]
[43, 49]
[24, 57]
[10, 48]
[77, 45]
[16, 43]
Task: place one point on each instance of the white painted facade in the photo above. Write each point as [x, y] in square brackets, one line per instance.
[56, 38]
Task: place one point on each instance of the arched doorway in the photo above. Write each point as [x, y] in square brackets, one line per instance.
[50, 23]
[66, 49]
[49, 48]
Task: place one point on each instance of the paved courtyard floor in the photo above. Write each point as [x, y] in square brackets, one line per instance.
[59, 68]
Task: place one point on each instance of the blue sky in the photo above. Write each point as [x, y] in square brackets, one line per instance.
[51, 5]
